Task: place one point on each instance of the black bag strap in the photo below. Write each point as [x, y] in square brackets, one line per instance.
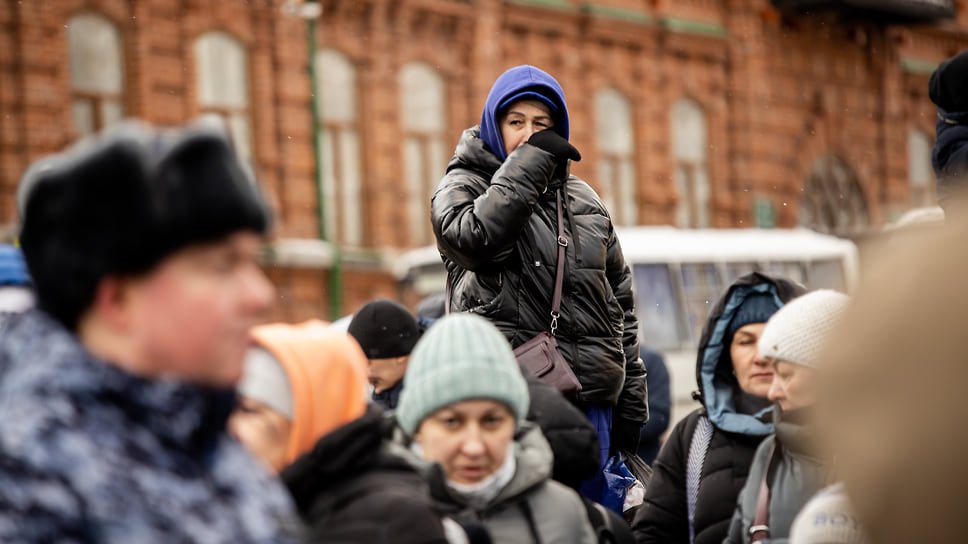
[760, 529]
[529, 517]
[559, 271]
[559, 267]
[447, 289]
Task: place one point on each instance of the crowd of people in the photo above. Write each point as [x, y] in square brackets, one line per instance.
[144, 399]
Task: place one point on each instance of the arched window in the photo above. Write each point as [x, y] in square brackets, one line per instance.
[342, 177]
[223, 86]
[97, 72]
[833, 200]
[616, 165]
[689, 141]
[920, 171]
[424, 157]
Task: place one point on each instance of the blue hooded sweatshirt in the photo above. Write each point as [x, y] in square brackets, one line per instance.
[521, 82]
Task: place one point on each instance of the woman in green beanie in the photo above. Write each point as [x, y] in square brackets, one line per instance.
[463, 412]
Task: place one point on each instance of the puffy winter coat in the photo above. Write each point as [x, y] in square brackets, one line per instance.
[532, 508]
[663, 517]
[91, 453]
[572, 437]
[496, 227]
[795, 475]
[351, 488]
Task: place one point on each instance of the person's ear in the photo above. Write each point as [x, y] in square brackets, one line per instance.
[111, 299]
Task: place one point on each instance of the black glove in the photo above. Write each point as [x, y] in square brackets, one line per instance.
[553, 143]
[625, 435]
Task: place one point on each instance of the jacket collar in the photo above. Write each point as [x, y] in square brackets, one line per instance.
[183, 416]
[533, 457]
[473, 153]
[794, 430]
[345, 452]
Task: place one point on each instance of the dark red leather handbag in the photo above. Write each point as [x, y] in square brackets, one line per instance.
[540, 355]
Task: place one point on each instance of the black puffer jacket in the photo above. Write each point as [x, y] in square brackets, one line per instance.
[352, 488]
[663, 516]
[496, 227]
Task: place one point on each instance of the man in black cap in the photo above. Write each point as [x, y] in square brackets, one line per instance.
[143, 248]
[387, 333]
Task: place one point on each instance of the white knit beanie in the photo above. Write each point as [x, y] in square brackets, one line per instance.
[797, 331]
[828, 518]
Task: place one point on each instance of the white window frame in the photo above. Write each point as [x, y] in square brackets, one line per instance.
[616, 144]
[95, 50]
[222, 84]
[423, 100]
[690, 141]
[341, 153]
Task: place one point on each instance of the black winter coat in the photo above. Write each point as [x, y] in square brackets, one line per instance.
[496, 227]
[572, 437]
[352, 489]
[663, 516]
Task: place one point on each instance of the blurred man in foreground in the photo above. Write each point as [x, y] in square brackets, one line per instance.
[142, 247]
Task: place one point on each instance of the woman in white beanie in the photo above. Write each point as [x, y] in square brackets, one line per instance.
[464, 410]
[786, 469]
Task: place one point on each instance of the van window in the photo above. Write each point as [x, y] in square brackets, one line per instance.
[787, 269]
[657, 307]
[701, 288]
[735, 270]
[828, 274]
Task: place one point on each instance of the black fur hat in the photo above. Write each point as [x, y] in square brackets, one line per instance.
[120, 202]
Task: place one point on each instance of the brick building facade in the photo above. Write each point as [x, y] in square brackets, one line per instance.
[718, 113]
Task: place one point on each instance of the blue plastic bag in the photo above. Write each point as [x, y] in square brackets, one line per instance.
[614, 479]
[618, 480]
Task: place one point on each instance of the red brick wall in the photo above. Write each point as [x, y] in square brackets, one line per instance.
[778, 92]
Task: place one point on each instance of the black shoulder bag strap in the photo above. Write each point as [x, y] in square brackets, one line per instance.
[559, 267]
[559, 272]
[760, 529]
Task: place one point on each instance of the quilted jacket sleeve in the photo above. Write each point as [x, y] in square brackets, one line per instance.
[633, 400]
[477, 220]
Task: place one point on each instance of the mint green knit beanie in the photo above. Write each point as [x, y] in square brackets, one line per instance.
[461, 357]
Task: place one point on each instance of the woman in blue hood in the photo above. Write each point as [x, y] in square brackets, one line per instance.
[704, 462]
[495, 215]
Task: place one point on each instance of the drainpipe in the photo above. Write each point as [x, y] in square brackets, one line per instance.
[311, 10]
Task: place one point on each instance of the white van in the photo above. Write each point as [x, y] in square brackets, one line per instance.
[679, 274]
